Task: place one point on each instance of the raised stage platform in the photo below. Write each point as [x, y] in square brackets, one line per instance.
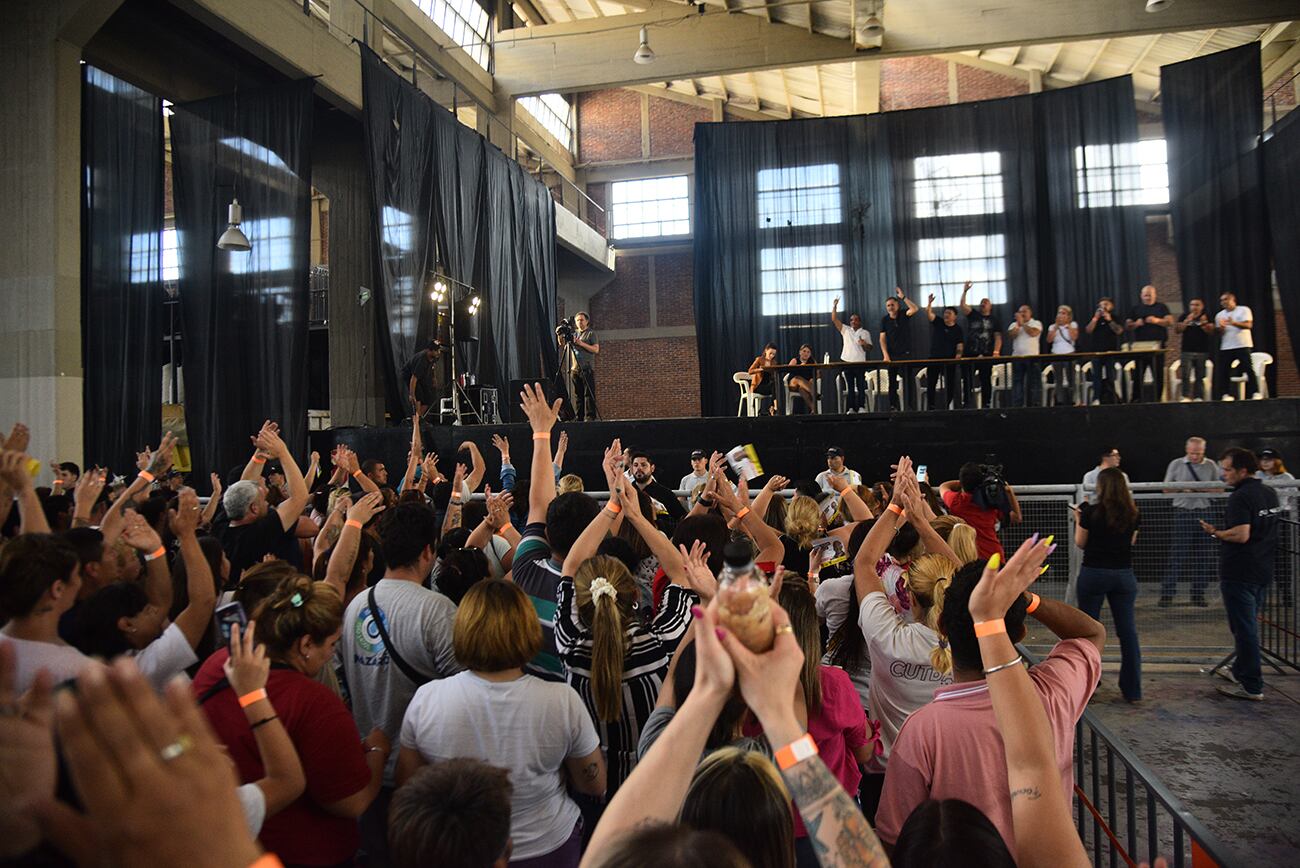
[1035, 445]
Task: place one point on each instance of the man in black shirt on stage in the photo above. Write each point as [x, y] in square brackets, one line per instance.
[946, 342]
[1103, 337]
[1248, 543]
[983, 338]
[1196, 329]
[1149, 321]
[896, 343]
[422, 377]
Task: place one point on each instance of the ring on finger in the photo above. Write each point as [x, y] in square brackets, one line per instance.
[174, 750]
[784, 628]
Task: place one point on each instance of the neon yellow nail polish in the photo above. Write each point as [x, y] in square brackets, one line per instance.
[1048, 541]
[1044, 569]
[995, 561]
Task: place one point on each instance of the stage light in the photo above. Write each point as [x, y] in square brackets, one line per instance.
[873, 26]
[234, 238]
[644, 53]
[473, 305]
[1158, 5]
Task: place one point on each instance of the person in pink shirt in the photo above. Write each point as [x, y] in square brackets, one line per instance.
[952, 749]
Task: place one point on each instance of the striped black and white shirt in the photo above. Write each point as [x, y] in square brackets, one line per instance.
[644, 666]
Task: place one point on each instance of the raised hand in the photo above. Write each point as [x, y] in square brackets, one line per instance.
[28, 769]
[541, 416]
[562, 444]
[776, 482]
[458, 480]
[998, 588]
[835, 305]
[268, 440]
[613, 471]
[248, 667]
[898, 291]
[142, 458]
[347, 459]
[503, 446]
[138, 534]
[429, 469]
[161, 458]
[499, 505]
[702, 580]
[184, 520]
[89, 487]
[19, 437]
[929, 301]
[965, 287]
[366, 507]
[216, 484]
[13, 470]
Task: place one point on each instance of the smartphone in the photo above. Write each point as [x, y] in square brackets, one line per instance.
[921, 475]
[230, 613]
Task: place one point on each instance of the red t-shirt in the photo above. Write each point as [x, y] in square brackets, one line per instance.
[839, 728]
[984, 521]
[325, 736]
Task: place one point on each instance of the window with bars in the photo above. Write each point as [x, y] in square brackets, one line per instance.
[800, 280]
[554, 113]
[947, 263]
[954, 185]
[272, 240]
[800, 273]
[799, 196]
[1130, 173]
[466, 23]
[650, 208]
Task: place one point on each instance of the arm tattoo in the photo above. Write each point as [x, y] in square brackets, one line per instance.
[591, 770]
[1031, 793]
[841, 836]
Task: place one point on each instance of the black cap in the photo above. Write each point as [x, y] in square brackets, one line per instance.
[834, 451]
[697, 454]
[737, 553]
[1269, 453]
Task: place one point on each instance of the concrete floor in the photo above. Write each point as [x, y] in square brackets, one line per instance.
[1234, 764]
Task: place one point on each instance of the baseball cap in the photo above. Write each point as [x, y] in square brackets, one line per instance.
[834, 451]
[697, 454]
[1269, 453]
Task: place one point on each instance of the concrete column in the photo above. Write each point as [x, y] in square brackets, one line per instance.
[40, 268]
[866, 87]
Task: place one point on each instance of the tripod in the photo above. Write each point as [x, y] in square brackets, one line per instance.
[456, 291]
[572, 374]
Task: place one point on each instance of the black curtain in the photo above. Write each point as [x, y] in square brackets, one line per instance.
[789, 215]
[1282, 181]
[792, 214]
[121, 268]
[1213, 108]
[244, 316]
[443, 200]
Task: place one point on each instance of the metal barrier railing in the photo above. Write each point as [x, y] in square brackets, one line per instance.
[1125, 814]
[1279, 623]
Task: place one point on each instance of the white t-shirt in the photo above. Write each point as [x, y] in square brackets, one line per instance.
[1235, 337]
[850, 476]
[165, 657]
[527, 726]
[902, 679]
[63, 662]
[419, 622]
[690, 480]
[1026, 344]
[1061, 343]
[853, 351]
[253, 801]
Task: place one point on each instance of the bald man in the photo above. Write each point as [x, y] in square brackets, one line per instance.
[1149, 321]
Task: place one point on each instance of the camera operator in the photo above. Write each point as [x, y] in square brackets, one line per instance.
[982, 498]
[578, 351]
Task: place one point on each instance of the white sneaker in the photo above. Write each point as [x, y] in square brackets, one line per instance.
[1236, 691]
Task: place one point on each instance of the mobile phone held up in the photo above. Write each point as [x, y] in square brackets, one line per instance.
[228, 614]
[922, 474]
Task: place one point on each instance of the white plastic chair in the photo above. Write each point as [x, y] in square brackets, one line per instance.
[1047, 385]
[750, 401]
[878, 388]
[790, 394]
[999, 383]
[1260, 362]
[919, 380]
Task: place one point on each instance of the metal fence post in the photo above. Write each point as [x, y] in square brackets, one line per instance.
[1076, 553]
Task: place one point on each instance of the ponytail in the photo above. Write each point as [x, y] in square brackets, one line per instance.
[606, 614]
[928, 579]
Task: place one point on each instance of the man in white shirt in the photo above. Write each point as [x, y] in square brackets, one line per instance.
[1234, 324]
[835, 469]
[1191, 550]
[1024, 332]
[1109, 458]
[857, 342]
[699, 473]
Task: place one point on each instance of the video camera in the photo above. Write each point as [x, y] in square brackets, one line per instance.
[992, 491]
[566, 329]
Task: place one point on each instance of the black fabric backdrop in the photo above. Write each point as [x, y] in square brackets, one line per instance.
[1213, 115]
[121, 268]
[1282, 183]
[442, 199]
[890, 198]
[244, 316]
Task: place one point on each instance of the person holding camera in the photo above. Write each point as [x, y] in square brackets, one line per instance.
[578, 351]
[980, 497]
[1103, 337]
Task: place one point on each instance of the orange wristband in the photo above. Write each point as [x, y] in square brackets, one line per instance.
[352, 522]
[796, 752]
[505, 527]
[1034, 600]
[613, 508]
[267, 860]
[252, 696]
[538, 435]
[744, 512]
[147, 476]
[990, 628]
[156, 554]
[357, 473]
[257, 459]
[896, 510]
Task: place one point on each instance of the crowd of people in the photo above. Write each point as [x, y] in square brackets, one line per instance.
[1146, 326]
[324, 668]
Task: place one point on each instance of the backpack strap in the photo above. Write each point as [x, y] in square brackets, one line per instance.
[405, 668]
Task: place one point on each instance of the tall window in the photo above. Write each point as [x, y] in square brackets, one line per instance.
[650, 208]
[272, 240]
[799, 272]
[554, 113]
[947, 263]
[1130, 173]
[957, 184]
[466, 23]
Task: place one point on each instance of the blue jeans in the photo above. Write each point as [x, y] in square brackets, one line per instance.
[1119, 587]
[1192, 553]
[1243, 600]
[1025, 374]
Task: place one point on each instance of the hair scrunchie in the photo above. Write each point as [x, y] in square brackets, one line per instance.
[602, 587]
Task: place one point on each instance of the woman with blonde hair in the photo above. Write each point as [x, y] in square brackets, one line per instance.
[299, 625]
[1106, 531]
[927, 581]
[569, 482]
[493, 712]
[740, 794]
[959, 536]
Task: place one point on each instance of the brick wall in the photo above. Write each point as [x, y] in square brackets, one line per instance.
[625, 303]
[976, 84]
[648, 378]
[1288, 377]
[913, 82]
[1163, 263]
[672, 127]
[609, 126]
